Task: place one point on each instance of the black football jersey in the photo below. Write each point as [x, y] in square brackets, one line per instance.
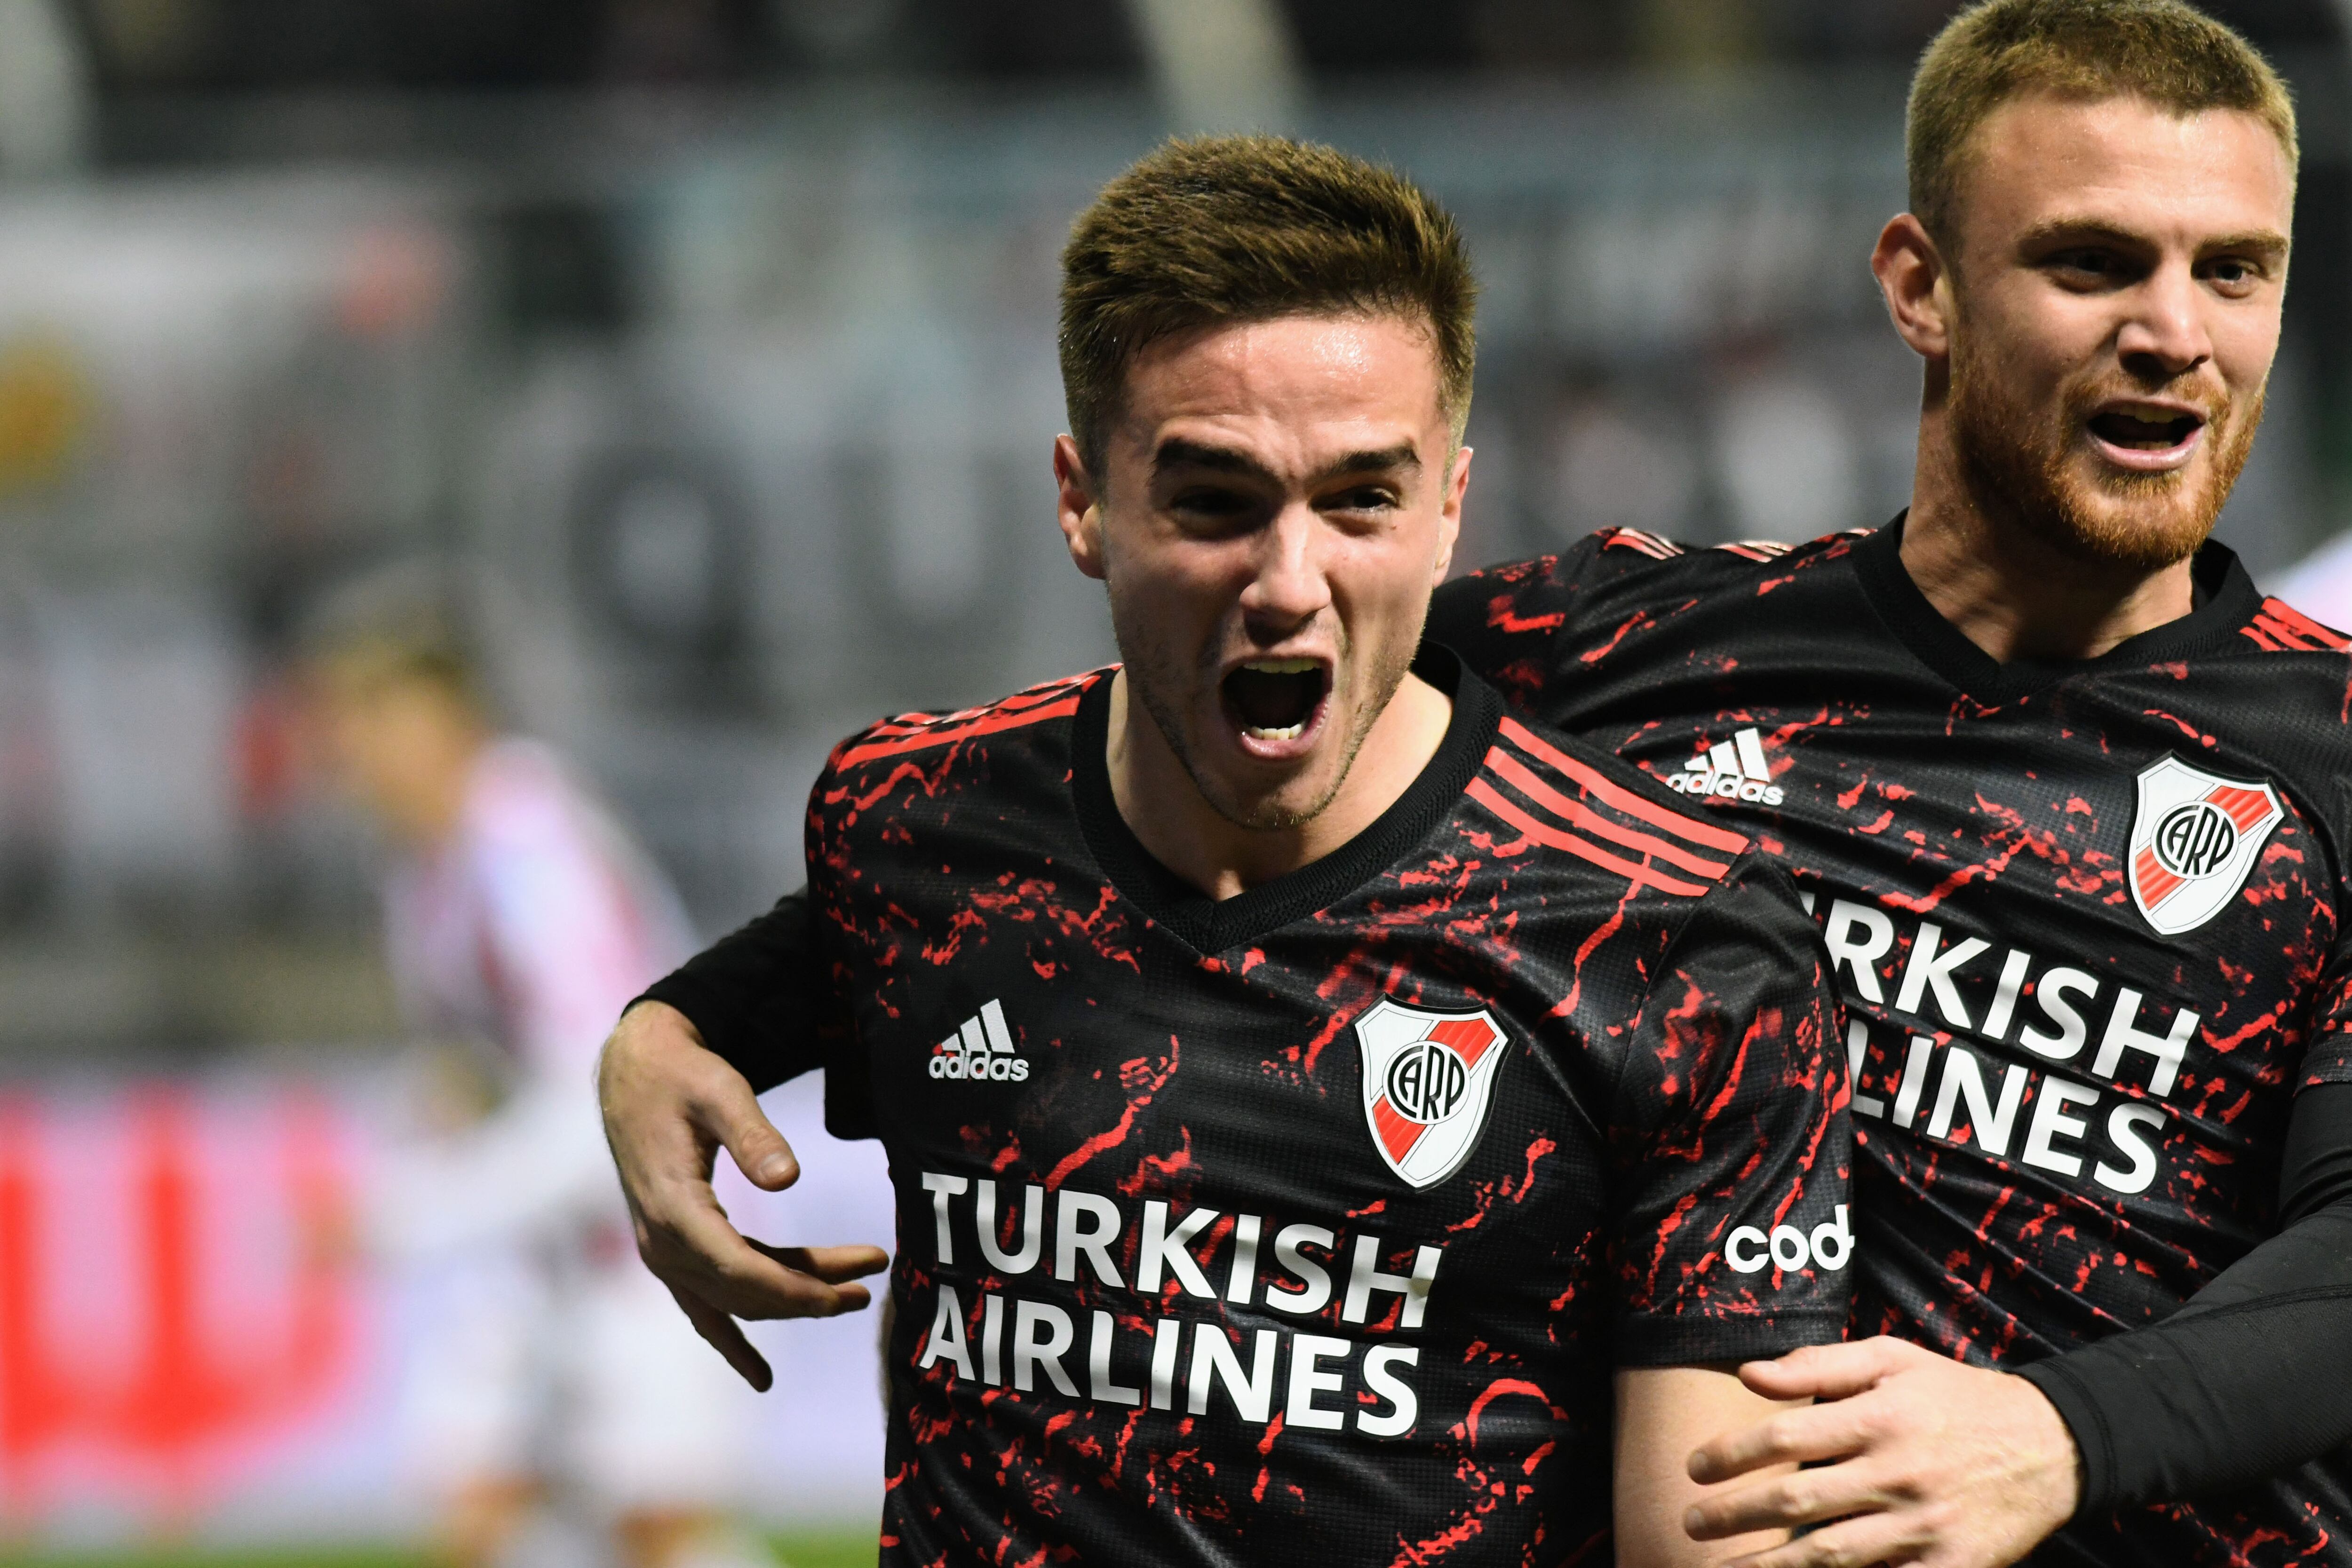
[2086, 921]
[1312, 1225]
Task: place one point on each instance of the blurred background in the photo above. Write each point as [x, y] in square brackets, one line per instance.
[710, 343]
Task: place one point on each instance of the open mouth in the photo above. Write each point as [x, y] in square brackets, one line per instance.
[1275, 699]
[2133, 433]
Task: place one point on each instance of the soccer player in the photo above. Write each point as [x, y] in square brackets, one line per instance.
[1978, 736]
[2069, 796]
[518, 913]
[1331, 1120]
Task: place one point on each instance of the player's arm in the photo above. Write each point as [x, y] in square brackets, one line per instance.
[670, 1105]
[1663, 1413]
[748, 994]
[1729, 1135]
[671, 1101]
[1918, 1456]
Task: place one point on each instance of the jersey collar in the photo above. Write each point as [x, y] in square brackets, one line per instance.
[1213, 926]
[2225, 598]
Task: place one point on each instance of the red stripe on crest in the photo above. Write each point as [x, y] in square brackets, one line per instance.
[1397, 1134]
[2156, 884]
[2244, 807]
[1468, 1037]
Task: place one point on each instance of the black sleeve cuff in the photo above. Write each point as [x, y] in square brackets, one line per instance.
[2218, 1396]
[2094, 1444]
[724, 1029]
[756, 995]
[1691, 1339]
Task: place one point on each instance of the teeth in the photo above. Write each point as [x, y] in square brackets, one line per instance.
[1287, 732]
[1282, 666]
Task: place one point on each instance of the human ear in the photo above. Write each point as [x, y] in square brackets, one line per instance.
[1077, 508]
[1449, 514]
[1913, 276]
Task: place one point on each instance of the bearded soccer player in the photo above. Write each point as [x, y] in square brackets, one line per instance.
[1331, 1120]
[2070, 797]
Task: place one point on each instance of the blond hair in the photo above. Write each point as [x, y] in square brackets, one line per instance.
[2164, 51]
[1247, 228]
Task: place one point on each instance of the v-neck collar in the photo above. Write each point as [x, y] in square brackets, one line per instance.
[1213, 926]
[2225, 599]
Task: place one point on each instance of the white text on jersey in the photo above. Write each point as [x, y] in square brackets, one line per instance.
[980, 1048]
[1732, 769]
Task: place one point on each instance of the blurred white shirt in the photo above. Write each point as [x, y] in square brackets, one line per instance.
[529, 929]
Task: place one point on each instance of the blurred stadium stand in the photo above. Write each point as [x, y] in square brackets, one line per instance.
[715, 336]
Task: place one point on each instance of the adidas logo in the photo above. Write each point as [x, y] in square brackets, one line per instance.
[980, 1048]
[1732, 769]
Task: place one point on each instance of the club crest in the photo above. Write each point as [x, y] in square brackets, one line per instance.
[1428, 1078]
[2193, 841]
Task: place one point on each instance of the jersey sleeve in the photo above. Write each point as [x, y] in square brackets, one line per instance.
[835, 812]
[2328, 1058]
[754, 995]
[1513, 623]
[1729, 1139]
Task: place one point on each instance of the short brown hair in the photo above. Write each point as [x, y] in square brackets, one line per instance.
[2165, 51]
[1248, 228]
[394, 623]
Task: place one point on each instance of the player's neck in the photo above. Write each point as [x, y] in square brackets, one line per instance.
[2008, 590]
[1170, 818]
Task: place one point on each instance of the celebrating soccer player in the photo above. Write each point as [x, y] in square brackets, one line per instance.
[2067, 794]
[2070, 797]
[1331, 1120]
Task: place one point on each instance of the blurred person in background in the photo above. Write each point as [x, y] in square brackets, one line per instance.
[551, 1378]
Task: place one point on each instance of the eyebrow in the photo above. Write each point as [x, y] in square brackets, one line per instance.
[1176, 452]
[2267, 243]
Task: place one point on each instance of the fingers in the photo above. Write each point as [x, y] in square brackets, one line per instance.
[725, 1336]
[1824, 1371]
[1785, 1502]
[1872, 1538]
[1834, 1431]
[655, 1075]
[695, 1251]
[831, 1264]
[730, 1112]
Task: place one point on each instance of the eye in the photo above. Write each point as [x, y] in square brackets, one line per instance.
[1361, 498]
[2088, 266]
[2234, 274]
[1209, 501]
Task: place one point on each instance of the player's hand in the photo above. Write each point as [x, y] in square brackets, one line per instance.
[1936, 1462]
[670, 1104]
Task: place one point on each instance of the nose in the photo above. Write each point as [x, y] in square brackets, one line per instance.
[1291, 584]
[2164, 336]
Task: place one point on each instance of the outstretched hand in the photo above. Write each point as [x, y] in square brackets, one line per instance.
[670, 1104]
[1932, 1462]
